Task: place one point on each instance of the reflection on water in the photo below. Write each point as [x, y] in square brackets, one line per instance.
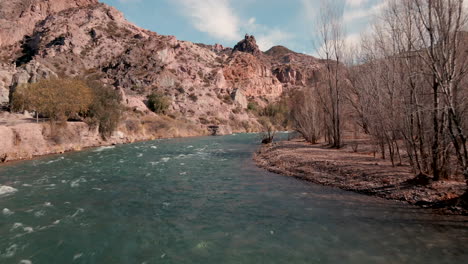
[203, 201]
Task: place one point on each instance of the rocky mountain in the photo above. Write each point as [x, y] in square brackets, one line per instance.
[208, 85]
[18, 18]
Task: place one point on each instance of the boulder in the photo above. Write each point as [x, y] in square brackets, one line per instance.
[239, 98]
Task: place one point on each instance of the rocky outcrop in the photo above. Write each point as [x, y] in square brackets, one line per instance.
[239, 98]
[294, 70]
[12, 76]
[6, 78]
[19, 17]
[253, 77]
[248, 45]
[290, 75]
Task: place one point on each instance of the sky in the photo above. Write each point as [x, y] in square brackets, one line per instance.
[273, 22]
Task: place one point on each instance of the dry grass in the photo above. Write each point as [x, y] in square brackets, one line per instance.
[357, 171]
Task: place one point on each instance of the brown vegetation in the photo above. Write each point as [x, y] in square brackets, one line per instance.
[406, 85]
[57, 99]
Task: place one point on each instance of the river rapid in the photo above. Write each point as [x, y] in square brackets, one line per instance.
[203, 200]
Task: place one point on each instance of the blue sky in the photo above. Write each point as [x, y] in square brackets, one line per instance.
[273, 22]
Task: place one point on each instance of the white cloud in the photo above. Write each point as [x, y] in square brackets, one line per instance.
[352, 39]
[266, 37]
[273, 37]
[219, 20]
[309, 9]
[362, 13]
[354, 3]
[214, 17]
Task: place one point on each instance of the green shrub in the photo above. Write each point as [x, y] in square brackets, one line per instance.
[106, 109]
[252, 106]
[158, 103]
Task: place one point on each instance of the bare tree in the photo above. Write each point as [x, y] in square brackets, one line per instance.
[414, 73]
[306, 115]
[330, 93]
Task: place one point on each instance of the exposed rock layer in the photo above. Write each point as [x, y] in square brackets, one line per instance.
[19, 17]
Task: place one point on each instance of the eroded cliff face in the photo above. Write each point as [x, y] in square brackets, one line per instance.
[249, 74]
[19, 17]
[83, 37]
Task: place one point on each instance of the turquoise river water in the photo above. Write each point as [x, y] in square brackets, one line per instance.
[202, 200]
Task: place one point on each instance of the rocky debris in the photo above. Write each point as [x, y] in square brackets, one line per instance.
[218, 48]
[248, 45]
[6, 78]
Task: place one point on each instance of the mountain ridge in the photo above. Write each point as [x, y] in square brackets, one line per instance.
[84, 37]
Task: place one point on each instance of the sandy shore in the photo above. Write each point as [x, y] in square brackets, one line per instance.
[360, 172]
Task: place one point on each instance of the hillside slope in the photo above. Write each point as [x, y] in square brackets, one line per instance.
[207, 84]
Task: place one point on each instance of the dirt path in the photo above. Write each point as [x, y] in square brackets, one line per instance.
[357, 171]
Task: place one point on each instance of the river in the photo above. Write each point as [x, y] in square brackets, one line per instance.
[202, 200]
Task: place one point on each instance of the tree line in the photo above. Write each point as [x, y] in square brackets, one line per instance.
[61, 100]
[406, 85]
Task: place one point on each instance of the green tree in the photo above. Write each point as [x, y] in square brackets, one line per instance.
[57, 99]
[105, 110]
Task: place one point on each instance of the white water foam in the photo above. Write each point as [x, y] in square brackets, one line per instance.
[6, 190]
[77, 256]
[16, 226]
[76, 183]
[25, 261]
[7, 212]
[28, 229]
[80, 210]
[10, 251]
[39, 213]
[53, 161]
[103, 148]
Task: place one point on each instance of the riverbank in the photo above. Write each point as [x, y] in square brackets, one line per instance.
[23, 138]
[360, 172]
